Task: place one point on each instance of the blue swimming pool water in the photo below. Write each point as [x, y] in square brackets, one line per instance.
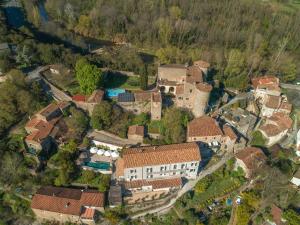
[98, 165]
[114, 92]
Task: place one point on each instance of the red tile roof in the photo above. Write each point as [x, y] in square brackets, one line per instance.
[252, 157]
[142, 96]
[194, 74]
[66, 200]
[204, 87]
[277, 214]
[273, 102]
[265, 81]
[156, 184]
[136, 130]
[87, 213]
[203, 126]
[157, 155]
[48, 109]
[228, 131]
[79, 98]
[156, 97]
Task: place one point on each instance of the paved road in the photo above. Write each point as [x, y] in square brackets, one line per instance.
[290, 86]
[186, 188]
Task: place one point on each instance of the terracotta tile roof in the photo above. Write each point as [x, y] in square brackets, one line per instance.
[252, 157]
[179, 89]
[79, 98]
[87, 213]
[228, 131]
[120, 167]
[32, 123]
[96, 96]
[265, 81]
[66, 200]
[276, 214]
[136, 130]
[48, 109]
[282, 120]
[142, 96]
[273, 102]
[202, 64]
[156, 97]
[270, 130]
[204, 87]
[156, 184]
[286, 106]
[194, 74]
[164, 154]
[203, 126]
[63, 105]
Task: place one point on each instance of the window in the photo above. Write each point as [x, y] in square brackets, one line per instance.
[175, 167]
[181, 172]
[149, 170]
[186, 98]
[182, 166]
[191, 90]
[174, 173]
[162, 168]
[192, 164]
[195, 164]
[132, 171]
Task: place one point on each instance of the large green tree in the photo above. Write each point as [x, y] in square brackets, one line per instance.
[88, 76]
[101, 117]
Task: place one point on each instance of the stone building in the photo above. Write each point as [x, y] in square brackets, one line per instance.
[67, 205]
[88, 103]
[266, 85]
[142, 102]
[274, 104]
[275, 127]
[159, 162]
[250, 159]
[136, 133]
[187, 84]
[206, 130]
[42, 129]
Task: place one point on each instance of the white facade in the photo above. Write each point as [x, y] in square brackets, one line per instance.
[296, 181]
[184, 169]
[298, 143]
[262, 94]
[110, 146]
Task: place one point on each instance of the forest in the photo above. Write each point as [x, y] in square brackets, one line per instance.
[240, 38]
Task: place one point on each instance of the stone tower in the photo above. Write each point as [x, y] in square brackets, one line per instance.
[156, 105]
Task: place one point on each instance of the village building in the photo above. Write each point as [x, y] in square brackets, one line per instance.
[115, 196]
[43, 128]
[276, 214]
[187, 84]
[296, 178]
[159, 185]
[67, 205]
[264, 86]
[88, 103]
[274, 104]
[275, 127]
[242, 120]
[159, 162]
[142, 102]
[250, 159]
[206, 130]
[136, 133]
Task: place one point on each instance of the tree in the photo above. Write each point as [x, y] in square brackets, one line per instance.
[88, 76]
[77, 123]
[174, 125]
[144, 78]
[258, 139]
[101, 116]
[292, 217]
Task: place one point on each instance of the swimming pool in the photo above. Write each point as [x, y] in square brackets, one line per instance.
[98, 165]
[114, 92]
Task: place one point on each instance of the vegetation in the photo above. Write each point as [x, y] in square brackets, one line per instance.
[17, 99]
[258, 139]
[292, 217]
[174, 123]
[88, 76]
[92, 179]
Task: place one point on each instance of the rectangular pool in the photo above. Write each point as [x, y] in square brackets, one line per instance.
[98, 165]
[114, 92]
